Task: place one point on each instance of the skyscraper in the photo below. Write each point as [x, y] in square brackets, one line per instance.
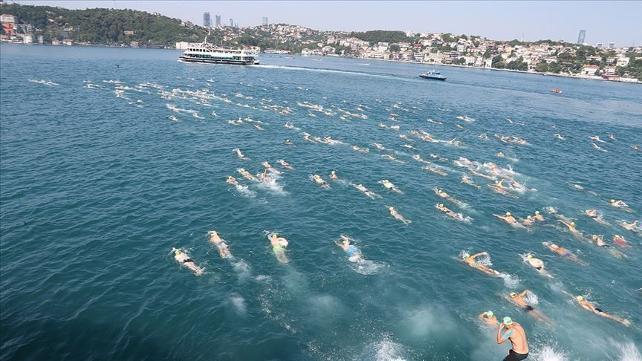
[231, 22]
[581, 37]
[218, 21]
[207, 22]
[264, 20]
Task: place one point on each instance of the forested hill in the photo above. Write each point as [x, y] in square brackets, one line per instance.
[105, 26]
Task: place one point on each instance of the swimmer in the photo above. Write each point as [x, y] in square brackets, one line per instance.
[285, 164]
[536, 263]
[529, 221]
[279, 244]
[247, 175]
[333, 175]
[220, 244]
[570, 225]
[538, 217]
[636, 147]
[269, 168]
[361, 188]
[510, 219]
[598, 240]
[596, 138]
[585, 304]
[489, 318]
[389, 186]
[598, 147]
[360, 149]
[559, 136]
[441, 193]
[619, 241]
[472, 262]
[452, 214]
[288, 142]
[611, 136]
[550, 210]
[595, 215]
[467, 180]
[561, 251]
[498, 187]
[620, 204]
[354, 254]
[396, 215]
[320, 182]
[183, 258]
[632, 226]
[517, 337]
[232, 181]
[523, 301]
[436, 170]
[239, 154]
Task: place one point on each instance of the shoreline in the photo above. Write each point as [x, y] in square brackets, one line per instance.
[567, 76]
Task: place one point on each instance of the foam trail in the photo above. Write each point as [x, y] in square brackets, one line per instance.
[238, 302]
[510, 281]
[627, 352]
[548, 354]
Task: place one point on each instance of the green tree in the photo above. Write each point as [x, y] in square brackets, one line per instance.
[395, 48]
[498, 62]
[541, 67]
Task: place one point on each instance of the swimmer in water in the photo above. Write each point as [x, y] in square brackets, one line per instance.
[361, 188]
[472, 262]
[223, 249]
[517, 336]
[232, 181]
[247, 175]
[288, 142]
[396, 215]
[619, 241]
[536, 263]
[559, 136]
[452, 214]
[239, 154]
[285, 164]
[521, 300]
[585, 304]
[333, 175]
[498, 187]
[570, 225]
[620, 204]
[508, 218]
[279, 244]
[467, 180]
[269, 168]
[596, 138]
[183, 258]
[561, 251]
[595, 215]
[538, 217]
[630, 226]
[389, 186]
[320, 182]
[354, 254]
[489, 319]
[529, 221]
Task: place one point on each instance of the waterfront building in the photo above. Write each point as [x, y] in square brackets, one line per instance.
[590, 70]
[8, 23]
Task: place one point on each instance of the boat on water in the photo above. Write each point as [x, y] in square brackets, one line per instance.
[208, 53]
[556, 90]
[433, 75]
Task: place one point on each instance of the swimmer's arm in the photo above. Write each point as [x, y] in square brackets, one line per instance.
[479, 254]
[499, 337]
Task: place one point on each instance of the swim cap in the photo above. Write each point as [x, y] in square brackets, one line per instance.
[508, 213]
[579, 298]
[513, 294]
[536, 212]
[508, 321]
[529, 256]
[489, 314]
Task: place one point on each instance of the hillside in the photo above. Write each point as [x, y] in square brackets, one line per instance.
[105, 26]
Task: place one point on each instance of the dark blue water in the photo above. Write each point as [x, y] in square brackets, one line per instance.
[111, 157]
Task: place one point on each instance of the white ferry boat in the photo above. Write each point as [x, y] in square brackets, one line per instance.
[208, 53]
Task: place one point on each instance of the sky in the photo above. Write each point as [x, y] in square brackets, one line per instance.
[604, 21]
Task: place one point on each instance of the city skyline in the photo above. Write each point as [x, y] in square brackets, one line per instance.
[604, 22]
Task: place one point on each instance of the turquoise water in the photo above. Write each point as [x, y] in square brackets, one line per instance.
[106, 168]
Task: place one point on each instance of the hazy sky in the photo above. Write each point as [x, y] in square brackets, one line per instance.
[604, 22]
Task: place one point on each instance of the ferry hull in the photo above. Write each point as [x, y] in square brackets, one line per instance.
[441, 78]
[217, 61]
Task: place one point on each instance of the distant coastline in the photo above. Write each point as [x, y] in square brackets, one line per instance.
[356, 58]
